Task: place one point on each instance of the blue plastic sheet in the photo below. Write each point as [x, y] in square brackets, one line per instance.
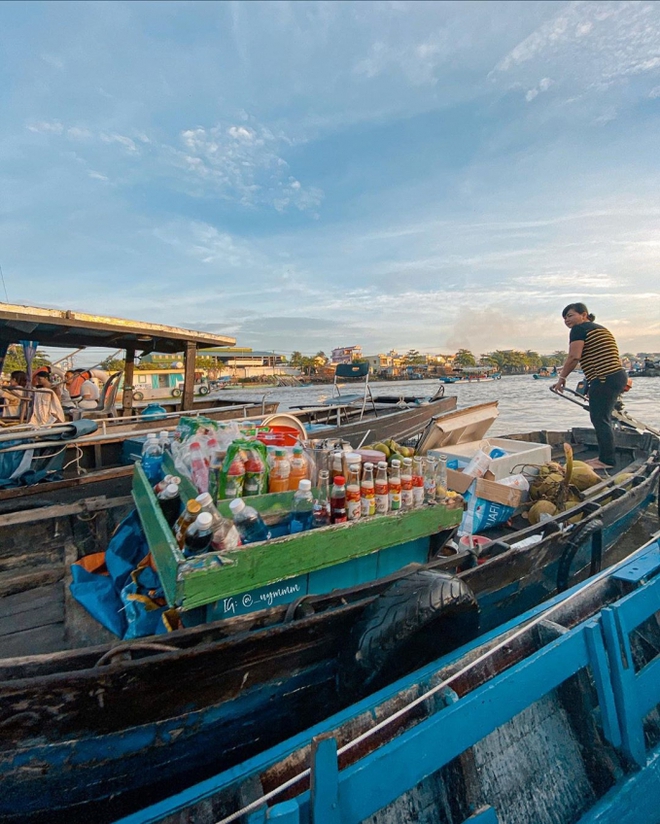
[97, 593]
[129, 600]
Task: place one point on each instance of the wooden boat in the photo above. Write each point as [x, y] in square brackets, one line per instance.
[553, 720]
[90, 727]
[538, 376]
[472, 376]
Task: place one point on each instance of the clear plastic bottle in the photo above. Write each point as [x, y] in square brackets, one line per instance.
[382, 489]
[395, 486]
[279, 477]
[199, 470]
[367, 491]
[225, 534]
[164, 439]
[441, 478]
[429, 481]
[170, 503]
[302, 512]
[248, 522]
[338, 512]
[235, 478]
[152, 458]
[185, 521]
[353, 504]
[298, 467]
[418, 481]
[215, 467]
[406, 485]
[321, 514]
[199, 535]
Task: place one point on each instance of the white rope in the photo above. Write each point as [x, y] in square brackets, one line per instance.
[255, 805]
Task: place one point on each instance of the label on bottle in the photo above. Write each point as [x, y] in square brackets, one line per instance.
[418, 491]
[382, 498]
[395, 496]
[406, 492]
[353, 505]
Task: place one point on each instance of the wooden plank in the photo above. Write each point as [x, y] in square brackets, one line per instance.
[29, 600]
[42, 614]
[324, 793]
[52, 486]
[63, 510]
[33, 642]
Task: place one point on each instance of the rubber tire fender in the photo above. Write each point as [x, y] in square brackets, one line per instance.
[414, 621]
[203, 390]
[138, 396]
[176, 392]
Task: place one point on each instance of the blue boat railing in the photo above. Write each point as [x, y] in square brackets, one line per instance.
[601, 644]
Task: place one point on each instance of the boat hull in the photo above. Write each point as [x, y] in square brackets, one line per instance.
[74, 731]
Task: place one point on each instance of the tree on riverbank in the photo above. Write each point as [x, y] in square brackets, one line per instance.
[515, 361]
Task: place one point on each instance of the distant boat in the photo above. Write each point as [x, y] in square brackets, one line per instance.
[476, 377]
[541, 376]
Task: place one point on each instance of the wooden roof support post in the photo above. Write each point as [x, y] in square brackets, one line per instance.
[189, 356]
[127, 397]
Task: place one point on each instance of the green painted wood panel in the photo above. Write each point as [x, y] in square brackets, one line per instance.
[204, 580]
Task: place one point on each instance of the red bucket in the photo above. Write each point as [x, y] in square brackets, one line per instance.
[279, 436]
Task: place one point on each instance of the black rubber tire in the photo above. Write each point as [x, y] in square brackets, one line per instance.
[138, 396]
[417, 619]
[176, 393]
[203, 390]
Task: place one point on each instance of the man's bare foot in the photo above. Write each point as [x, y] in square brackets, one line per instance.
[596, 463]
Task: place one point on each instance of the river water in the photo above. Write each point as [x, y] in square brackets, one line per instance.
[525, 404]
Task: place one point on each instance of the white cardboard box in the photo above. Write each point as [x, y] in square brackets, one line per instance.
[519, 454]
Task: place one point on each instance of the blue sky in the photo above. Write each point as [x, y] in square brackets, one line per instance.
[310, 175]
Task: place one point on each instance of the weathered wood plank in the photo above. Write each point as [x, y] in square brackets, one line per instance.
[33, 642]
[29, 600]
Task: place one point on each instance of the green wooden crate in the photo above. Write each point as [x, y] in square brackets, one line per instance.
[204, 579]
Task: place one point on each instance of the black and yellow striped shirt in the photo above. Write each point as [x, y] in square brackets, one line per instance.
[600, 355]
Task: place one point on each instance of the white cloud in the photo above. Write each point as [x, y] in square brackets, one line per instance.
[126, 142]
[45, 127]
[97, 175]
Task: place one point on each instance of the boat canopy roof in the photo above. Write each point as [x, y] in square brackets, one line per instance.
[65, 328]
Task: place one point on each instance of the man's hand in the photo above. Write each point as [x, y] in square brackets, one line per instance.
[560, 385]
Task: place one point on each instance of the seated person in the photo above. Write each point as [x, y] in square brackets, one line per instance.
[82, 391]
[47, 407]
[14, 395]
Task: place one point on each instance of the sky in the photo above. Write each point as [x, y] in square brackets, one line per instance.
[309, 175]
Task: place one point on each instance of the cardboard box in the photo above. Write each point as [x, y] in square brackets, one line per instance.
[485, 488]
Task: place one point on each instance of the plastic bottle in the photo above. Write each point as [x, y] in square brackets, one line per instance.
[441, 478]
[152, 458]
[254, 475]
[225, 534]
[199, 535]
[353, 504]
[302, 512]
[164, 439]
[406, 485]
[429, 481]
[167, 480]
[321, 514]
[185, 521]
[215, 467]
[367, 491]
[235, 478]
[199, 470]
[382, 489]
[351, 459]
[395, 486]
[248, 522]
[338, 512]
[418, 481]
[298, 467]
[479, 464]
[170, 503]
[279, 477]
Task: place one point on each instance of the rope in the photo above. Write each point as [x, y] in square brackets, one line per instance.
[255, 805]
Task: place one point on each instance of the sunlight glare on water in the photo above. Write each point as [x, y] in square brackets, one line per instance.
[525, 404]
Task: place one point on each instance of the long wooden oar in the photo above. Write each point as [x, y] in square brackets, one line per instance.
[619, 412]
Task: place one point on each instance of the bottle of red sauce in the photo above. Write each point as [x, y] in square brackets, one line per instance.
[338, 512]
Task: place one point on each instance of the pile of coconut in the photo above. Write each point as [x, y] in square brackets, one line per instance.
[557, 488]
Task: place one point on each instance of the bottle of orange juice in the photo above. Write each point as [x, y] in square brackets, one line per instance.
[279, 476]
[298, 467]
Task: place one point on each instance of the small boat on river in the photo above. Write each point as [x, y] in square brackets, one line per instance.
[553, 719]
[469, 374]
[92, 727]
